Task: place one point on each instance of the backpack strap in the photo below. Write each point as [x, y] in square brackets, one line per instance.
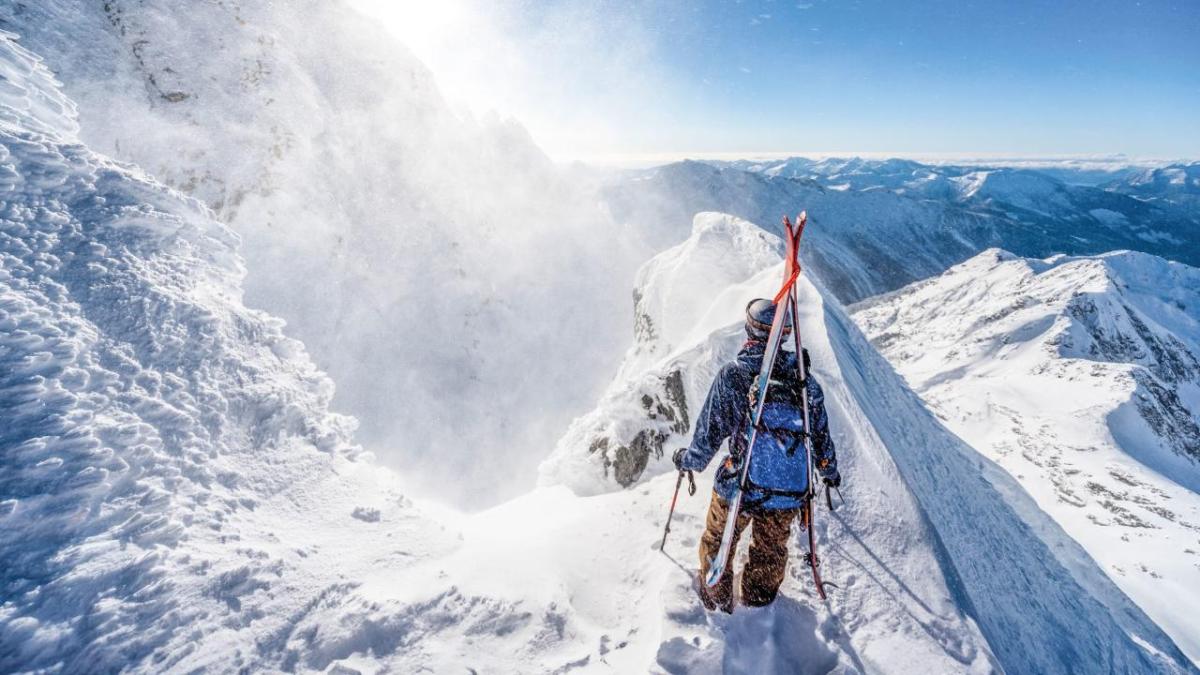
[751, 487]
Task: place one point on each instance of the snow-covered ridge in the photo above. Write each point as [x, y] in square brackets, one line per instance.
[1080, 376]
[675, 288]
[681, 296]
[918, 500]
[1177, 184]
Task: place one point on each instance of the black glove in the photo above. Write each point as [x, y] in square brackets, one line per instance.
[677, 458]
[833, 479]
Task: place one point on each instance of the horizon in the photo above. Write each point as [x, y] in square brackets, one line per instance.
[1094, 162]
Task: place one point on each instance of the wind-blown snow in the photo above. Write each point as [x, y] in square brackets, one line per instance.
[678, 286]
[177, 496]
[426, 261]
[1077, 376]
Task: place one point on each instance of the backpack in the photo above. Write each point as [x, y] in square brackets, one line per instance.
[778, 475]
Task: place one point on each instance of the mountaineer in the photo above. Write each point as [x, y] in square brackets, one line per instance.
[776, 485]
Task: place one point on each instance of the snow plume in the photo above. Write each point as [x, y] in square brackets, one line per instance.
[463, 292]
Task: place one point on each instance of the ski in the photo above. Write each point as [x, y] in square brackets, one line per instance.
[808, 510]
[791, 271]
[810, 492]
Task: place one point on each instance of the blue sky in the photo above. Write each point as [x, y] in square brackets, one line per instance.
[774, 76]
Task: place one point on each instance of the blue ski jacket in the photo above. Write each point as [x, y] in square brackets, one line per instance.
[726, 415]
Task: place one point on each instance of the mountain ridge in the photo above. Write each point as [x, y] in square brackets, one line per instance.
[1079, 376]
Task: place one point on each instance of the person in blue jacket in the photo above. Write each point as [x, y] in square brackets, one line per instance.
[767, 509]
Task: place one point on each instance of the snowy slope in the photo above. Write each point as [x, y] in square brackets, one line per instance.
[172, 482]
[864, 242]
[927, 524]
[176, 495]
[375, 220]
[1081, 378]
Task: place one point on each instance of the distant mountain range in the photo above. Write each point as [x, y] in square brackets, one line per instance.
[881, 224]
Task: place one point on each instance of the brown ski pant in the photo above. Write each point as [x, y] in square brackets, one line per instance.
[763, 573]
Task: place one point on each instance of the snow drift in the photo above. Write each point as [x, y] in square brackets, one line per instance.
[1080, 378]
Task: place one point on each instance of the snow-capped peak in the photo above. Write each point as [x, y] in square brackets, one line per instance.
[676, 288]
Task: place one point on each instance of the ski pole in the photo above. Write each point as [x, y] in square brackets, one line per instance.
[829, 500]
[671, 513]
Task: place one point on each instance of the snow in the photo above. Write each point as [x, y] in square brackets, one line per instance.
[1077, 377]
[177, 495]
[303, 142]
[900, 221]
[677, 287]
[1109, 217]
